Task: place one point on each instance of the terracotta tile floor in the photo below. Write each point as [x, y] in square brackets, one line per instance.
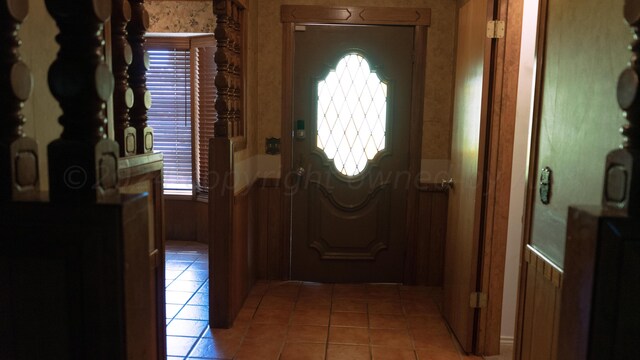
[298, 320]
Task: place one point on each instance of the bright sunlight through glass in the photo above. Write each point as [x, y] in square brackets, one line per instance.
[352, 114]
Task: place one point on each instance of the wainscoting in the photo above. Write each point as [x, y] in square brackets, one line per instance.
[271, 260]
[431, 233]
[186, 219]
[540, 308]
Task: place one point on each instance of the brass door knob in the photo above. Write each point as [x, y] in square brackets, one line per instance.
[447, 184]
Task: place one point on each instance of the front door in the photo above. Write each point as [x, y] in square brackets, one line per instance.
[352, 102]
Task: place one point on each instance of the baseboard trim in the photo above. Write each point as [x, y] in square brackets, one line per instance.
[507, 340]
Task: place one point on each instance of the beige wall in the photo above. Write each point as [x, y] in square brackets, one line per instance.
[39, 50]
[181, 16]
[580, 116]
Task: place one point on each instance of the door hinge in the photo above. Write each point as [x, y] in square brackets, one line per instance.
[478, 300]
[496, 29]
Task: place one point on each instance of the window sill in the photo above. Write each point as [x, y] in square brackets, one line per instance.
[177, 196]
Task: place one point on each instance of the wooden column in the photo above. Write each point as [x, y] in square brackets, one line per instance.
[223, 270]
[122, 94]
[83, 163]
[137, 29]
[18, 154]
[229, 82]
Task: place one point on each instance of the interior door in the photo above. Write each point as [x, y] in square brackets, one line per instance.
[467, 168]
[352, 100]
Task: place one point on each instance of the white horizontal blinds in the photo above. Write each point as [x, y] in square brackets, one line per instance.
[203, 51]
[169, 80]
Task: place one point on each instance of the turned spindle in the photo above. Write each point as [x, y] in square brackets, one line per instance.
[122, 94]
[228, 58]
[137, 28]
[622, 179]
[83, 163]
[19, 177]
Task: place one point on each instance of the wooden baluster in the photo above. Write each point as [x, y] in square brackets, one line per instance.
[238, 88]
[137, 29]
[83, 163]
[622, 179]
[228, 61]
[18, 154]
[122, 93]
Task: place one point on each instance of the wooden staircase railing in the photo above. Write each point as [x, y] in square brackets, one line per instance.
[82, 262]
[19, 176]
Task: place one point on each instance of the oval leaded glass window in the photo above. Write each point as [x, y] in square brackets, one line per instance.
[352, 114]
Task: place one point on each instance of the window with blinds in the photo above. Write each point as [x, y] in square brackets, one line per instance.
[203, 51]
[169, 81]
[181, 79]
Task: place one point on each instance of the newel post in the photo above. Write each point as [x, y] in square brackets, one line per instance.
[122, 93]
[83, 163]
[19, 176]
[622, 180]
[137, 28]
[228, 81]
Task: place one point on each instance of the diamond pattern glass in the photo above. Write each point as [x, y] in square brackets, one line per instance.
[352, 114]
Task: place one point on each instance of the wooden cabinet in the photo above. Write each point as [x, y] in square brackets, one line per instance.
[76, 281]
[599, 314]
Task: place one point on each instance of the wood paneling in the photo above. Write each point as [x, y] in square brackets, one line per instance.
[221, 237]
[270, 252]
[187, 219]
[541, 282]
[232, 240]
[182, 219]
[143, 174]
[431, 236]
[355, 15]
[242, 250]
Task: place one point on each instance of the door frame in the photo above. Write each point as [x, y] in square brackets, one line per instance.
[504, 80]
[293, 15]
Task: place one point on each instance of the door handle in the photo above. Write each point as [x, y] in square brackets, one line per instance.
[300, 171]
[447, 184]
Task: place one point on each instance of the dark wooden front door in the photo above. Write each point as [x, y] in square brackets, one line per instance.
[352, 97]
